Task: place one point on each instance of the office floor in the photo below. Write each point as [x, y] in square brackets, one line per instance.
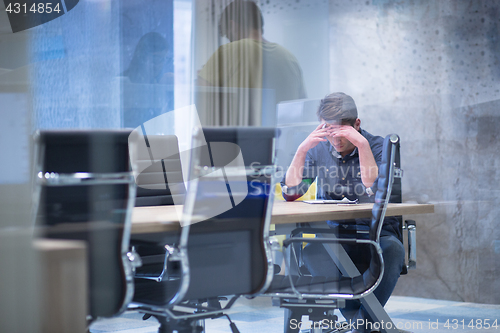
[258, 316]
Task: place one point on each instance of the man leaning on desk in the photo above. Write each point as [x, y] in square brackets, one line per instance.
[345, 160]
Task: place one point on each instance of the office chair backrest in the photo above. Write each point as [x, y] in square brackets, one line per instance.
[87, 193]
[385, 184]
[160, 181]
[397, 191]
[382, 198]
[397, 195]
[228, 252]
[255, 143]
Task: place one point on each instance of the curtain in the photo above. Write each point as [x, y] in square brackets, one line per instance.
[241, 76]
[229, 82]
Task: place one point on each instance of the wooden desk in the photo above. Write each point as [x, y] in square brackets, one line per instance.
[165, 218]
[63, 275]
[284, 216]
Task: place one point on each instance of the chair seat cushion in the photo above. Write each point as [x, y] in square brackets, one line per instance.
[155, 293]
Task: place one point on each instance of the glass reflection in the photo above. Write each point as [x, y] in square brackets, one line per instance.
[256, 73]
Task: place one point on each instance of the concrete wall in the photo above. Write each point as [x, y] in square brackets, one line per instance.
[302, 28]
[430, 71]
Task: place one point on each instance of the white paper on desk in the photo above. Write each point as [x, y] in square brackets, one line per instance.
[344, 201]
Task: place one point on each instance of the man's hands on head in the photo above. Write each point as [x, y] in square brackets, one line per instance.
[367, 164]
[334, 132]
[312, 140]
[348, 132]
[294, 172]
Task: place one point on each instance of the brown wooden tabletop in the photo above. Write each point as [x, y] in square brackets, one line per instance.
[166, 218]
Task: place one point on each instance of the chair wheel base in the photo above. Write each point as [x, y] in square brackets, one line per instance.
[179, 326]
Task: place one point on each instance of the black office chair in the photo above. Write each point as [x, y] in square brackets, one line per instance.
[159, 180]
[318, 296]
[408, 225]
[223, 249]
[87, 192]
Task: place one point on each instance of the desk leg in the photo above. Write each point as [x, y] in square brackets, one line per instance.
[370, 302]
[293, 267]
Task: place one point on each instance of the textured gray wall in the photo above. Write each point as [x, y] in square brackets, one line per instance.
[430, 71]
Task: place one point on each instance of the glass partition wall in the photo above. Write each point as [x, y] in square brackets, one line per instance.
[428, 71]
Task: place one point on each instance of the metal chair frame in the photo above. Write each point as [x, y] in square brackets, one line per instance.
[178, 308]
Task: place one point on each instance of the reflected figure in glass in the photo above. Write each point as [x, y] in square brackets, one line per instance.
[146, 88]
[256, 73]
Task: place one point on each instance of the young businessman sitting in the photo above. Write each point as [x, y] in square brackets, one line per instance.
[345, 160]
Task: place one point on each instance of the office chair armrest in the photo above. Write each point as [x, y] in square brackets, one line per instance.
[289, 241]
[134, 258]
[411, 226]
[377, 253]
[84, 178]
[308, 230]
[171, 256]
[311, 230]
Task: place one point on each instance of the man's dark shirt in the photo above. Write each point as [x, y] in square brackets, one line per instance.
[339, 177]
